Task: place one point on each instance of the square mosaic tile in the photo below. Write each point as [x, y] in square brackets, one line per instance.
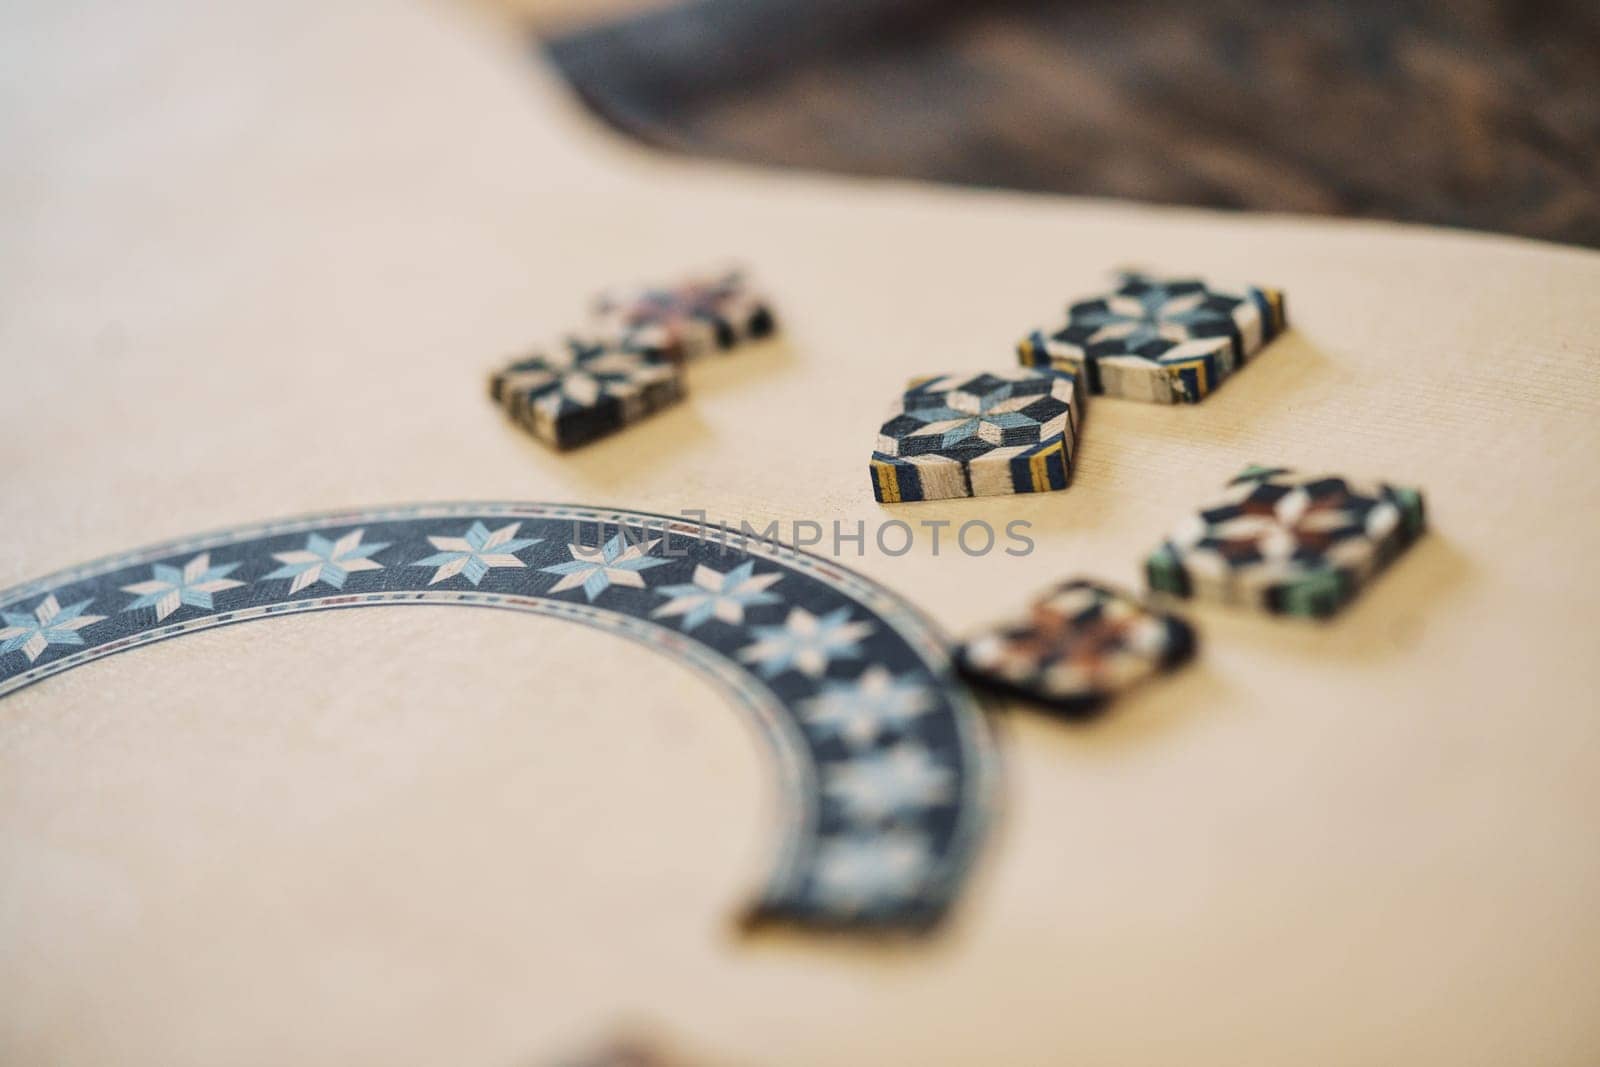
[579, 389]
[1165, 341]
[1082, 644]
[686, 320]
[990, 433]
[1288, 543]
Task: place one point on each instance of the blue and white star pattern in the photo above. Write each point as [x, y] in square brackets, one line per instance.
[476, 553]
[885, 761]
[1166, 341]
[869, 873]
[875, 705]
[329, 562]
[32, 632]
[580, 389]
[989, 434]
[618, 562]
[715, 595]
[193, 585]
[890, 783]
[806, 643]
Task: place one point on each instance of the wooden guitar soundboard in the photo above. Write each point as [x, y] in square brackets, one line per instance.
[258, 261]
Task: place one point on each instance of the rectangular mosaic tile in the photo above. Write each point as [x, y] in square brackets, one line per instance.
[1287, 543]
[1164, 341]
[986, 434]
[1082, 644]
[578, 390]
[686, 320]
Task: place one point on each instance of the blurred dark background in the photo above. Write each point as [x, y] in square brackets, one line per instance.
[1476, 113]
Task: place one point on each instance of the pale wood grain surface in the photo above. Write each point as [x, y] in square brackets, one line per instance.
[258, 258]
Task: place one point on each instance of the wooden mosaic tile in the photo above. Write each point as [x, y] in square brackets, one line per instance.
[1165, 341]
[1082, 644]
[985, 434]
[687, 320]
[1287, 543]
[578, 390]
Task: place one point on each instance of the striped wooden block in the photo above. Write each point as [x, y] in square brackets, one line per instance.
[1287, 543]
[1164, 341]
[992, 433]
[580, 389]
[688, 319]
[1081, 645]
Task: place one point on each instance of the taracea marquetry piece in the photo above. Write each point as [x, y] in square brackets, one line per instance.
[986, 434]
[687, 320]
[1288, 543]
[580, 389]
[887, 767]
[1166, 341]
[1082, 644]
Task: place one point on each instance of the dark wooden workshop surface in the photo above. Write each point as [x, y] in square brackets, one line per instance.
[1481, 113]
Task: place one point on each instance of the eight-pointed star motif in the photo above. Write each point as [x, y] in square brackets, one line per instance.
[472, 555]
[1288, 543]
[714, 594]
[1296, 524]
[193, 584]
[806, 643]
[327, 561]
[900, 781]
[618, 562]
[867, 871]
[968, 415]
[584, 373]
[861, 711]
[1157, 314]
[48, 624]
